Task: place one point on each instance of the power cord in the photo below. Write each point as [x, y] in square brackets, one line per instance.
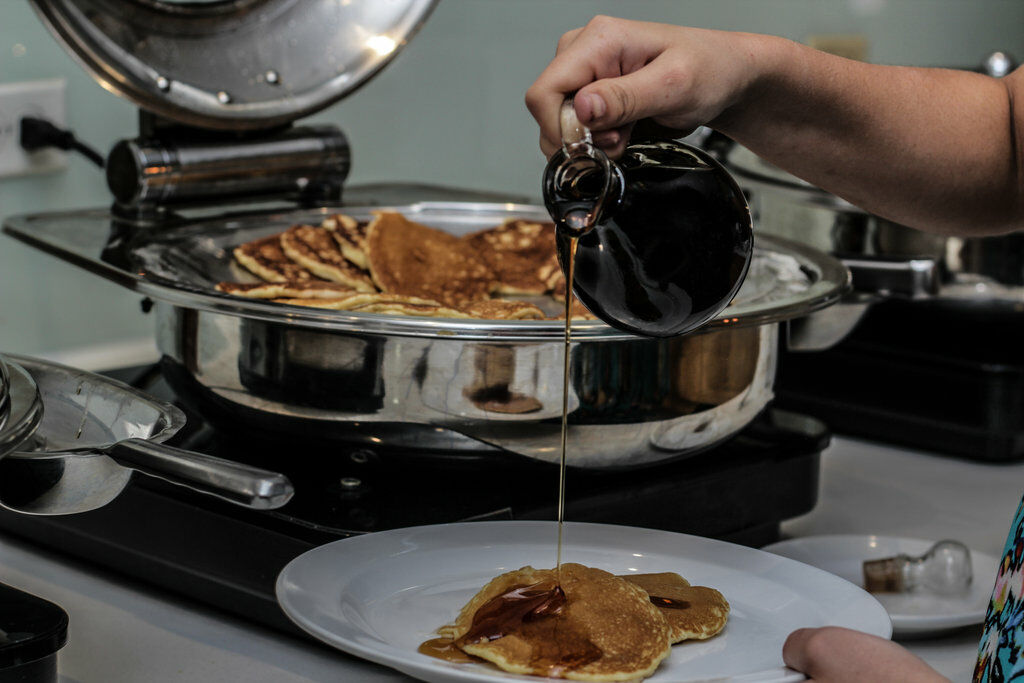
[39, 133]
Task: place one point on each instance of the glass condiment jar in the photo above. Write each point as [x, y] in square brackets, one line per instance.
[665, 234]
[944, 569]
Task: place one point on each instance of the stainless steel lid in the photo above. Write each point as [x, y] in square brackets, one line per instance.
[25, 408]
[233, 64]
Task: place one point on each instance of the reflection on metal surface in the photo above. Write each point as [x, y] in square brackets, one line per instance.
[382, 45]
[206, 64]
[632, 402]
[183, 266]
[25, 407]
[788, 207]
[455, 387]
[95, 432]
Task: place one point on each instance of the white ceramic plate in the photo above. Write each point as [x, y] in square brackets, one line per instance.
[911, 613]
[380, 595]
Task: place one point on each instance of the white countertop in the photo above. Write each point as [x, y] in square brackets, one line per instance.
[125, 633]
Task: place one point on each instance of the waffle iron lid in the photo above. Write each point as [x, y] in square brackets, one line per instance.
[233, 64]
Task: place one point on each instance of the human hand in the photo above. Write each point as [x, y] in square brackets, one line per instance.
[840, 655]
[623, 71]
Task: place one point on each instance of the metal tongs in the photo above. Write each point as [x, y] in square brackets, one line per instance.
[95, 433]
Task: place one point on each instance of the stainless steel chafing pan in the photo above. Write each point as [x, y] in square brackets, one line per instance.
[457, 388]
[464, 386]
[95, 432]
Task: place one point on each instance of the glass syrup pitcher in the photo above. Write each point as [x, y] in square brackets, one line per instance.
[665, 235]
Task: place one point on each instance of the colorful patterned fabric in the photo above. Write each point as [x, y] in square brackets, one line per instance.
[1000, 656]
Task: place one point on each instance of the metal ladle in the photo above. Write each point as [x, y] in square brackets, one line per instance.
[96, 432]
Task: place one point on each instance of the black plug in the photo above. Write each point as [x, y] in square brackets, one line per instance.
[36, 133]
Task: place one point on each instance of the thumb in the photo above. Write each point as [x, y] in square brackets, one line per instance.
[614, 102]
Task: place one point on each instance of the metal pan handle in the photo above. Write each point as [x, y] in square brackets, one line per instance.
[906, 278]
[231, 481]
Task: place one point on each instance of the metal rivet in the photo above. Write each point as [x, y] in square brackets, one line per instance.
[361, 457]
[163, 84]
[272, 77]
[350, 482]
[223, 97]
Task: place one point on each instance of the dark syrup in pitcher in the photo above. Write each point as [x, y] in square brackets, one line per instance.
[672, 248]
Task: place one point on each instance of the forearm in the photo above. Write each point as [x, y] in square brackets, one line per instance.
[931, 148]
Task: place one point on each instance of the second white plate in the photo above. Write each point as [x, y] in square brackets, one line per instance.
[380, 595]
[911, 613]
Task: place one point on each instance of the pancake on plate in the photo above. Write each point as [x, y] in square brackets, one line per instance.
[303, 289]
[315, 249]
[580, 623]
[500, 309]
[692, 612]
[413, 259]
[350, 235]
[515, 252]
[265, 259]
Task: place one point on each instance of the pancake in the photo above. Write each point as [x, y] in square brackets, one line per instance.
[412, 259]
[692, 612]
[350, 235]
[432, 310]
[306, 289]
[605, 630]
[499, 309]
[550, 273]
[578, 310]
[265, 259]
[315, 249]
[515, 251]
[353, 300]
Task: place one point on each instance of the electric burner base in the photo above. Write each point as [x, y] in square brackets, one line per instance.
[229, 557]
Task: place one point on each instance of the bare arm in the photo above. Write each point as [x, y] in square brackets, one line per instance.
[839, 655]
[935, 149]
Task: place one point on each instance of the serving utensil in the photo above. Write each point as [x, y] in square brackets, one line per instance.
[96, 433]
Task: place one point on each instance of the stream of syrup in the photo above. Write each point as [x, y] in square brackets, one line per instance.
[565, 396]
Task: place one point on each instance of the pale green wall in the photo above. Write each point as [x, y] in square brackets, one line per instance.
[448, 110]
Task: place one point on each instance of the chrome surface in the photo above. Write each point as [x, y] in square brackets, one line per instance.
[457, 387]
[238, 64]
[5, 394]
[998, 64]
[25, 407]
[95, 432]
[632, 402]
[824, 329]
[788, 207]
[915, 278]
[182, 267]
[308, 162]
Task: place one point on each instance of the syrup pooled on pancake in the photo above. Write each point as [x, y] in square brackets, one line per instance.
[580, 623]
[692, 612]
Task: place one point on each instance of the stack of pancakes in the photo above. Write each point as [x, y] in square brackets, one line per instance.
[601, 627]
[393, 265]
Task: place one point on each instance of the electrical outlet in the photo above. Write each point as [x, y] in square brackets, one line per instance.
[44, 99]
